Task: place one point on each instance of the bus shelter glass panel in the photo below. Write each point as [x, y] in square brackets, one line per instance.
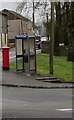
[19, 63]
[25, 49]
[32, 54]
[19, 46]
[19, 55]
[26, 54]
[0, 41]
[3, 39]
[6, 38]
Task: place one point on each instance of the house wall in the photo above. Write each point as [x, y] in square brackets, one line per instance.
[19, 27]
[29, 28]
[13, 29]
[0, 23]
[3, 30]
[0, 41]
[26, 28]
[0, 28]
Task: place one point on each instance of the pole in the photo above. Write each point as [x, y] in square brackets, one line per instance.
[34, 34]
[52, 38]
[47, 26]
[7, 33]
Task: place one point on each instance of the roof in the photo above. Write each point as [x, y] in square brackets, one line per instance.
[12, 15]
[2, 13]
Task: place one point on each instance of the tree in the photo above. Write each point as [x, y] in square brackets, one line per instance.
[58, 32]
[71, 33]
[33, 10]
[68, 30]
[64, 22]
[40, 8]
[52, 38]
[47, 28]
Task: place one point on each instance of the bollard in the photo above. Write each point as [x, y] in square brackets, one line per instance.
[5, 56]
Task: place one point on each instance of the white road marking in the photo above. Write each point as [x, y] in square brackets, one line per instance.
[64, 109]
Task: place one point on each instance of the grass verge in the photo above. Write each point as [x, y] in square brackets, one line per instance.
[62, 67]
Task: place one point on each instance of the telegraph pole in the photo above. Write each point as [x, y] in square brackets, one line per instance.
[33, 19]
[52, 38]
[34, 33]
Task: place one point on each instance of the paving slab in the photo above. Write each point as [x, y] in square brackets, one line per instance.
[19, 79]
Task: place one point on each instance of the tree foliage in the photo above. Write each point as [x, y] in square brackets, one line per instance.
[64, 27]
[64, 22]
[40, 8]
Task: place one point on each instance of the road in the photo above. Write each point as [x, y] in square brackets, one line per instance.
[36, 103]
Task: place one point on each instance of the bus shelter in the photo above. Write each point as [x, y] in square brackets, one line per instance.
[25, 53]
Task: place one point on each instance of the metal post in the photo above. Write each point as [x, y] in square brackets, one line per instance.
[52, 38]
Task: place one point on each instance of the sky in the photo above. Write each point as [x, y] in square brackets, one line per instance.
[8, 5]
[11, 5]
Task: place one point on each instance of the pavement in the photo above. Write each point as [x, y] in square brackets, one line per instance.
[12, 78]
[20, 79]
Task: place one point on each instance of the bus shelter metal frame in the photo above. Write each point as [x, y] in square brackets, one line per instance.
[28, 56]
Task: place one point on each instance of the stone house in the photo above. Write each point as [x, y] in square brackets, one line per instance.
[13, 24]
[17, 25]
[3, 29]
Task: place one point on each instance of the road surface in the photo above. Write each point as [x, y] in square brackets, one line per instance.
[36, 103]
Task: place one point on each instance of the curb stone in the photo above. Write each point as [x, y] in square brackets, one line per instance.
[29, 86]
[35, 85]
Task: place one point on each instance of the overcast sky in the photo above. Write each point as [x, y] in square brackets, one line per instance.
[11, 5]
[7, 5]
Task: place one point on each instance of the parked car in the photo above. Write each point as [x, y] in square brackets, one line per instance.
[38, 44]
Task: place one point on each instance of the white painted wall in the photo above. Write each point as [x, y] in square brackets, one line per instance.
[0, 28]
[19, 27]
[3, 30]
[0, 40]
